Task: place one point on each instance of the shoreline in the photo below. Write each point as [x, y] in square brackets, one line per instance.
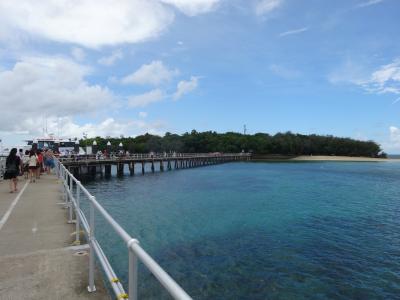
[322, 158]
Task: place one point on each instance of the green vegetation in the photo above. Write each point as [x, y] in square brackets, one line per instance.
[260, 143]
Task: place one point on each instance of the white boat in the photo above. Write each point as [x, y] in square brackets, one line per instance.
[65, 146]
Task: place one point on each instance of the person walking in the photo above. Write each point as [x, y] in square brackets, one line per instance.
[39, 170]
[25, 164]
[20, 153]
[33, 165]
[13, 168]
[48, 160]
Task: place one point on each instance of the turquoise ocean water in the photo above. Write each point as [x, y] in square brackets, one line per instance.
[308, 230]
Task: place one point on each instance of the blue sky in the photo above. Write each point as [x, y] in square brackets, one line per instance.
[325, 67]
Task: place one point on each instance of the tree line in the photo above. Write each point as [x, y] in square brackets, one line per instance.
[260, 143]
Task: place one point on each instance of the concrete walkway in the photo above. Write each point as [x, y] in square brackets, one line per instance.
[36, 257]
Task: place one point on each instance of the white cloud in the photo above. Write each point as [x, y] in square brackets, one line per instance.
[110, 60]
[143, 114]
[384, 80]
[154, 73]
[284, 72]
[193, 7]
[108, 127]
[394, 134]
[145, 99]
[369, 3]
[392, 144]
[78, 53]
[264, 7]
[89, 23]
[47, 86]
[67, 127]
[185, 87]
[294, 31]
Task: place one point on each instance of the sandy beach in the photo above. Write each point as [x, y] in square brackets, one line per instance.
[340, 158]
[321, 158]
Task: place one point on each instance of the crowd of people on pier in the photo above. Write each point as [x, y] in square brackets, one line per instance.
[29, 164]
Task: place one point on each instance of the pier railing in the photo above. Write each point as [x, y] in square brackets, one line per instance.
[149, 156]
[72, 192]
[2, 166]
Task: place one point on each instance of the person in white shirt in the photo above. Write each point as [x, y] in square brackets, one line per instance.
[25, 164]
[33, 164]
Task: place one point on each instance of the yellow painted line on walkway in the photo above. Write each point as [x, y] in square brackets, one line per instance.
[12, 205]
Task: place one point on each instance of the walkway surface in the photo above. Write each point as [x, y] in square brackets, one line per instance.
[36, 257]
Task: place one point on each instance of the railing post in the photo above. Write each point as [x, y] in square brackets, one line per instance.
[70, 204]
[77, 210]
[62, 178]
[66, 187]
[91, 287]
[56, 168]
[133, 275]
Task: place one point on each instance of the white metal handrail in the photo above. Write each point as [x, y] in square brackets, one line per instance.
[136, 252]
[2, 166]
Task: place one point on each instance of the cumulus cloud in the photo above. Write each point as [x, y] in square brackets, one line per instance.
[392, 144]
[92, 23]
[154, 73]
[51, 86]
[264, 7]
[185, 87]
[294, 31]
[67, 127]
[395, 135]
[193, 7]
[110, 60]
[89, 23]
[108, 127]
[145, 99]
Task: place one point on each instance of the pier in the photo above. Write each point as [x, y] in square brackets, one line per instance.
[38, 259]
[90, 166]
[48, 247]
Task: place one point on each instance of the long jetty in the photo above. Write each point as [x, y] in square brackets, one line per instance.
[91, 166]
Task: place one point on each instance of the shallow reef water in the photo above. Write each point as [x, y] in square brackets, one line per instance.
[307, 230]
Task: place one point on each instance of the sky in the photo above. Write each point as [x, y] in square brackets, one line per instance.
[128, 67]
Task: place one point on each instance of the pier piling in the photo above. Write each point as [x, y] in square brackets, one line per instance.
[90, 167]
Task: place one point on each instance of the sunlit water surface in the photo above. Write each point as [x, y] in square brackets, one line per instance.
[310, 230]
